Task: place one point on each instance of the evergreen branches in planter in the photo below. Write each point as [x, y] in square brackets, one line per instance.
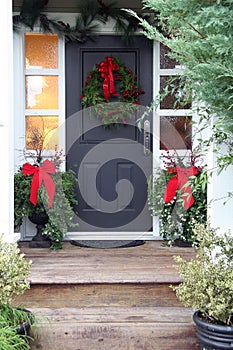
[180, 207]
[60, 213]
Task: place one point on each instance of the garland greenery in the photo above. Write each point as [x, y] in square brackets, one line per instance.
[92, 14]
[93, 93]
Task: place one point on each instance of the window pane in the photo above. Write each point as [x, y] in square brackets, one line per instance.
[41, 132]
[175, 132]
[169, 102]
[41, 92]
[41, 50]
[165, 61]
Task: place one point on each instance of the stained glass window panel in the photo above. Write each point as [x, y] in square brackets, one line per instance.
[41, 132]
[41, 92]
[41, 51]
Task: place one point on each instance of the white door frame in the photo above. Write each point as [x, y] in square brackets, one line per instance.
[28, 230]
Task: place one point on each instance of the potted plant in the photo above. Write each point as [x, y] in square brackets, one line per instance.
[207, 287]
[177, 194]
[15, 323]
[46, 195]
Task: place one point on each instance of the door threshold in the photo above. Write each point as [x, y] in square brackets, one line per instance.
[110, 235]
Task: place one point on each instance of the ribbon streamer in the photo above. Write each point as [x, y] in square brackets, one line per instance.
[106, 71]
[41, 174]
[180, 180]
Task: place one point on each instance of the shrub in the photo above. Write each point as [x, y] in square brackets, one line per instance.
[208, 279]
[14, 270]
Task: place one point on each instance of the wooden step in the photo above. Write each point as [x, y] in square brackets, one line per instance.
[104, 299]
[98, 295]
[149, 263]
[116, 328]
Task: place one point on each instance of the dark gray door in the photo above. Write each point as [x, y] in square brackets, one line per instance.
[110, 163]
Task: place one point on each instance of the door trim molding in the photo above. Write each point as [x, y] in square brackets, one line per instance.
[156, 124]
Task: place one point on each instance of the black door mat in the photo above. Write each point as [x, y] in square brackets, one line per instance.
[107, 244]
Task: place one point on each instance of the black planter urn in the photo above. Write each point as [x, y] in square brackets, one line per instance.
[182, 244]
[24, 328]
[39, 240]
[213, 336]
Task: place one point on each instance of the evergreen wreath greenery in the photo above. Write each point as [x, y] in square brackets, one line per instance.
[93, 94]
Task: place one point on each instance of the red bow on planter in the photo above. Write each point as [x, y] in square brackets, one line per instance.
[41, 174]
[106, 69]
[180, 181]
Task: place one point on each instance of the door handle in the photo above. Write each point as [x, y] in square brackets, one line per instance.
[147, 137]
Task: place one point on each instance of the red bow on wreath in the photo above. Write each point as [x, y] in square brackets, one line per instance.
[41, 174]
[180, 180]
[106, 69]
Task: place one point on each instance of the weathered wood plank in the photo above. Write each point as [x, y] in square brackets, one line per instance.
[149, 263]
[106, 336]
[149, 247]
[116, 328]
[114, 315]
[128, 295]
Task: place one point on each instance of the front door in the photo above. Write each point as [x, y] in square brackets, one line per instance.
[110, 162]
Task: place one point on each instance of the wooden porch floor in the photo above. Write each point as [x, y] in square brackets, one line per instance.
[108, 298]
[148, 263]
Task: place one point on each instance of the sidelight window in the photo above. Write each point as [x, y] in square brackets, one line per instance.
[42, 74]
[175, 120]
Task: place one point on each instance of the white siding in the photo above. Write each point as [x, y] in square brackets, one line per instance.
[7, 126]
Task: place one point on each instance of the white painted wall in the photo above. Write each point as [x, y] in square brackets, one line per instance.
[7, 125]
[221, 206]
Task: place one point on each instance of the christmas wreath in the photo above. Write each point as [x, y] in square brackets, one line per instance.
[99, 89]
